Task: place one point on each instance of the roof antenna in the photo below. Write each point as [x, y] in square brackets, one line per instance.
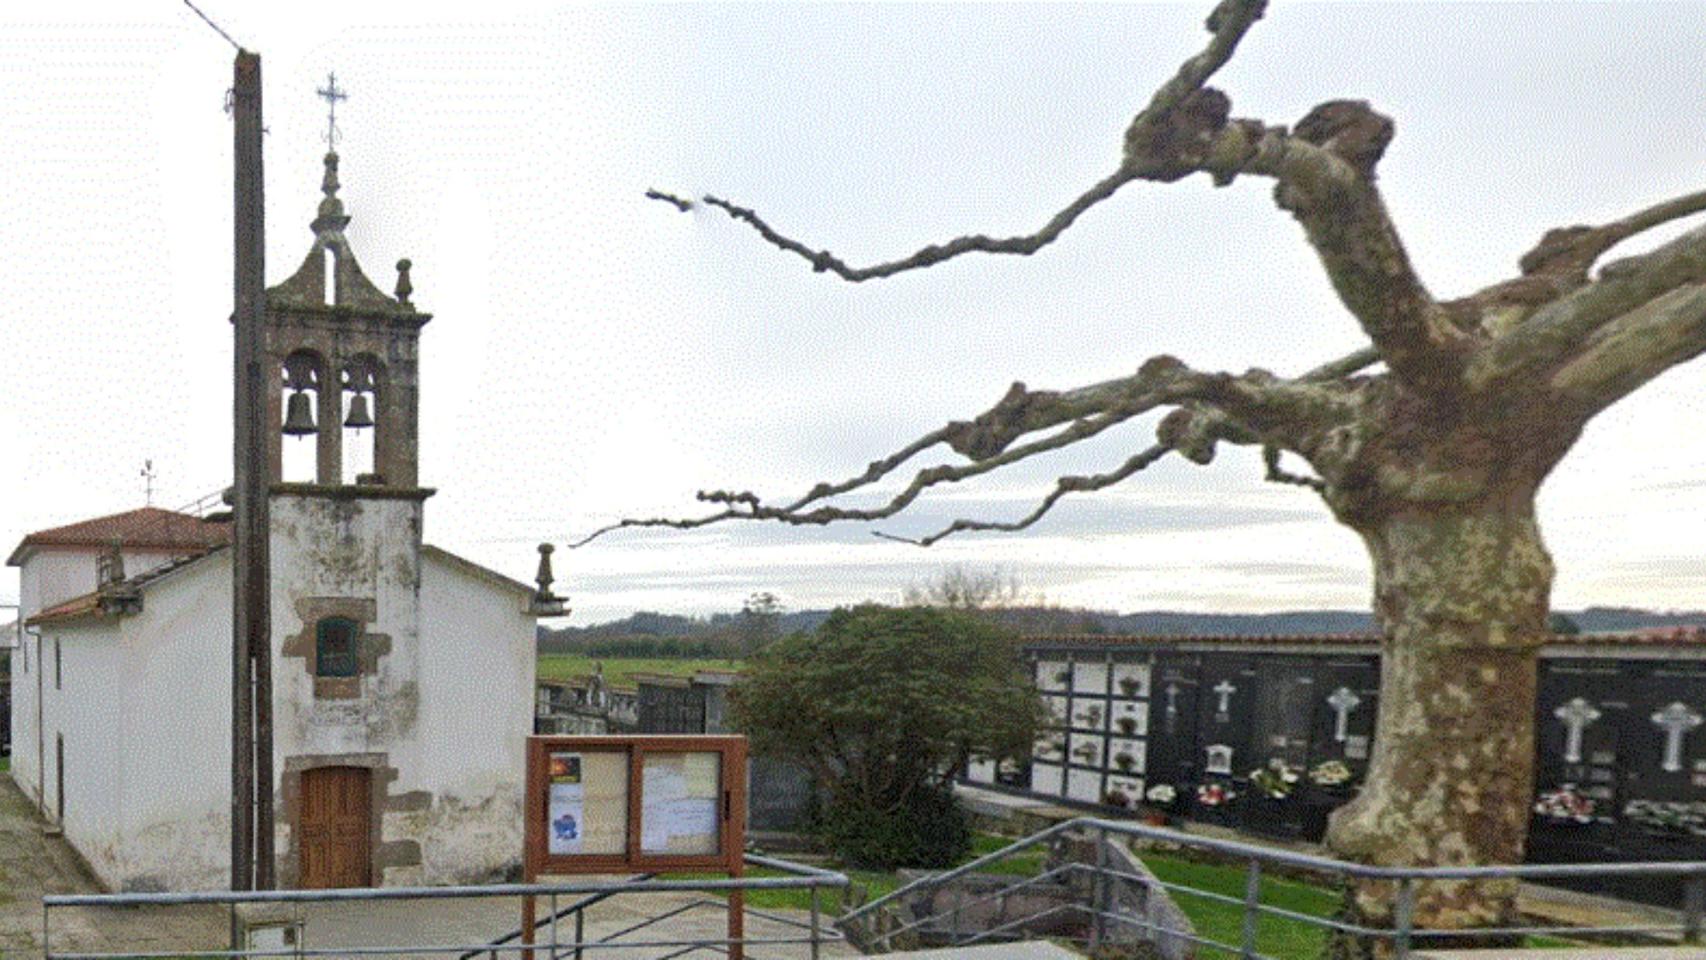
[148, 476]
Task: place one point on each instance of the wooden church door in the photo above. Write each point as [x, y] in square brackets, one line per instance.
[333, 827]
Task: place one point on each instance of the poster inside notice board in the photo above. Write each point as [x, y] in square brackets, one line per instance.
[587, 806]
[680, 796]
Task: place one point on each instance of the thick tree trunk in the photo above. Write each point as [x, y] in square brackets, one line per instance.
[1462, 600]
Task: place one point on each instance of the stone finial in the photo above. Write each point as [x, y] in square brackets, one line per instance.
[545, 603]
[331, 214]
[404, 287]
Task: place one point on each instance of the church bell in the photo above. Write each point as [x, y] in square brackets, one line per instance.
[299, 418]
[358, 415]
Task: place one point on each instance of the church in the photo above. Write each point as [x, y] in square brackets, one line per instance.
[402, 674]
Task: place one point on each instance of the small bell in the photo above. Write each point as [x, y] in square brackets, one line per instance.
[299, 419]
[358, 415]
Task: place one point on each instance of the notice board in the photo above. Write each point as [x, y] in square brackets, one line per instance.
[608, 804]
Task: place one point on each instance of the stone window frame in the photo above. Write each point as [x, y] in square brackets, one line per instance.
[369, 646]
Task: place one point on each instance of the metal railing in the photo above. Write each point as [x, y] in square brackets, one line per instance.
[1405, 935]
[549, 938]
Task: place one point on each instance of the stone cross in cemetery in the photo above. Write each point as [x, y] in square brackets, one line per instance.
[1577, 715]
[1676, 721]
[1343, 701]
[1225, 689]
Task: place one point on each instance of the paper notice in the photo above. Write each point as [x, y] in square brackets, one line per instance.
[566, 818]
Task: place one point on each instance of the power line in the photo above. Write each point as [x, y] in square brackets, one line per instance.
[216, 27]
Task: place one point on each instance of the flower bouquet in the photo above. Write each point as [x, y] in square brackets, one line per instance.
[1332, 773]
[1276, 781]
[1127, 725]
[1125, 762]
[1214, 794]
[1565, 805]
[1130, 685]
[1116, 798]
[1162, 795]
[1666, 818]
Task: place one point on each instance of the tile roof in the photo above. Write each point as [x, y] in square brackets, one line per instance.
[148, 528]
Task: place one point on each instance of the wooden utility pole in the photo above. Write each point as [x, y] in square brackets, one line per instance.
[251, 674]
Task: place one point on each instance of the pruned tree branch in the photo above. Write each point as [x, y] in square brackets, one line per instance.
[1062, 487]
[823, 261]
[1255, 403]
[1228, 24]
[1565, 331]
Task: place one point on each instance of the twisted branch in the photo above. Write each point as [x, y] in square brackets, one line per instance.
[1228, 24]
[1257, 398]
[1062, 487]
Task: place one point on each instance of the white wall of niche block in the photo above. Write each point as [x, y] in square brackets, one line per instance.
[1087, 749]
[1046, 778]
[1131, 680]
[1084, 785]
[1120, 746]
[1090, 677]
[1053, 674]
[1134, 711]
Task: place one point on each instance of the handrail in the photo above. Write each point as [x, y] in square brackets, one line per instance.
[936, 879]
[436, 893]
[1003, 892]
[575, 907]
[803, 877]
[1256, 856]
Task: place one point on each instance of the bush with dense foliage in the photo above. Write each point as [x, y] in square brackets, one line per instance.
[884, 706]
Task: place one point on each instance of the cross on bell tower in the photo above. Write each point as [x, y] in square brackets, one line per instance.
[331, 94]
[344, 352]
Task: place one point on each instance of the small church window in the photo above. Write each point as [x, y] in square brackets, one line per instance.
[335, 647]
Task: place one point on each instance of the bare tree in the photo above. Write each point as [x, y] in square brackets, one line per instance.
[1430, 443]
[959, 587]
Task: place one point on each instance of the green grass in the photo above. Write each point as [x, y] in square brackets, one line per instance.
[875, 883]
[1224, 922]
[620, 672]
[1275, 936]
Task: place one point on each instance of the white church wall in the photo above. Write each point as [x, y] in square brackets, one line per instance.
[477, 672]
[54, 575]
[25, 766]
[176, 816]
[82, 709]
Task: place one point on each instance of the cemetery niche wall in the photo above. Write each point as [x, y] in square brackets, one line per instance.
[1270, 734]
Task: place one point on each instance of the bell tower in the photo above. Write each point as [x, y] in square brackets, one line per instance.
[342, 358]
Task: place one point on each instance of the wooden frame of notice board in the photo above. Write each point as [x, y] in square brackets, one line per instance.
[637, 804]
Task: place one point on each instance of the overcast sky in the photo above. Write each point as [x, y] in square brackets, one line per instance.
[596, 355]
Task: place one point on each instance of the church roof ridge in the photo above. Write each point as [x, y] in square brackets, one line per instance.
[145, 528]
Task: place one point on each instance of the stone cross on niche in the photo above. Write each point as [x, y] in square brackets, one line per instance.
[1676, 721]
[1224, 689]
[1343, 701]
[1577, 715]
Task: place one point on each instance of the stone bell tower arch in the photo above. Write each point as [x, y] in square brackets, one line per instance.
[331, 334]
